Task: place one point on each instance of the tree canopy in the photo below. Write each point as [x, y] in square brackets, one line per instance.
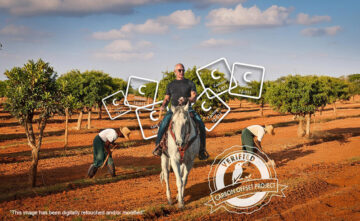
[32, 88]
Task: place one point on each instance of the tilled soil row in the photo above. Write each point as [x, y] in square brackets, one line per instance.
[152, 167]
[86, 149]
[53, 129]
[301, 192]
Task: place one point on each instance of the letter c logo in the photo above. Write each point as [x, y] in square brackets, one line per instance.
[152, 117]
[140, 91]
[114, 102]
[203, 107]
[213, 76]
[245, 76]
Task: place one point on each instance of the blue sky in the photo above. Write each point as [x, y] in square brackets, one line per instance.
[147, 37]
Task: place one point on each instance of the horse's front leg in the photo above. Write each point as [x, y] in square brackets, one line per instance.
[176, 168]
[165, 175]
[186, 167]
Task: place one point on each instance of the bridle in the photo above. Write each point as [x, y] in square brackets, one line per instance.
[182, 149]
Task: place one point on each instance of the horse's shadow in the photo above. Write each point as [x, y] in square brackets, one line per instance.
[197, 191]
[200, 190]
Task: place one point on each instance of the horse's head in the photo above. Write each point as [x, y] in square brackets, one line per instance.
[180, 123]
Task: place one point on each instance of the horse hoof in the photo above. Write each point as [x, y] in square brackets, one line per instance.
[170, 202]
[180, 206]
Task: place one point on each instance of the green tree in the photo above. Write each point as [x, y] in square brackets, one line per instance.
[72, 84]
[354, 84]
[208, 80]
[254, 88]
[96, 86]
[149, 90]
[118, 84]
[166, 79]
[239, 90]
[336, 89]
[2, 88]
[32, 88]
[298, 95]
[68, 101]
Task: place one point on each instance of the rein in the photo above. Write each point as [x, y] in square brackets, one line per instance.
[187, 144]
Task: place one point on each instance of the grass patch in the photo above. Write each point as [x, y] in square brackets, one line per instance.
[158, 211]
[229, 134]
[354, 159]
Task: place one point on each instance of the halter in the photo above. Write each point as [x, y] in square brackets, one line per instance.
[187, 143]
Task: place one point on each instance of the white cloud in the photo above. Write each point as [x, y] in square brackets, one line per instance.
[314, 32]
[182, 19]
[112, 34]
[149, 27]
[87, 7]
[207, 3]
[226, 2]
[125, 50]
[22, 33]
[215, 43]
[70, 7]
[120, 56]
[119, 45]
[305, 19]
[227, 19]
[126, 46]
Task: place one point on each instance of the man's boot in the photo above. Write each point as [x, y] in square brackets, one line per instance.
[111, 169]
[92, 171]
[203, 154]
[157, 151]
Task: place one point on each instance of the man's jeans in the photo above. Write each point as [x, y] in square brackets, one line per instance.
[166, 120]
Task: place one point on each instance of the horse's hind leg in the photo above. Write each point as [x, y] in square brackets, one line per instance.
[176, 168]
[165, 173]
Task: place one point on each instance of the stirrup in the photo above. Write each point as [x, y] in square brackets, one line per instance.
[157, 151]
[203, 155]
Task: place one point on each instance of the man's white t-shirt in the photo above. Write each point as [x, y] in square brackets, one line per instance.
[257, 130]
[108, 135]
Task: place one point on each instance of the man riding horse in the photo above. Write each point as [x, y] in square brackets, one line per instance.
[179, 92]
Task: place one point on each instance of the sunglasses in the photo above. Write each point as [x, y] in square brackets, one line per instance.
[180, 70]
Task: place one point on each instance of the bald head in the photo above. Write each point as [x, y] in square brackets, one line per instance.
[179, 71]
[179, 65]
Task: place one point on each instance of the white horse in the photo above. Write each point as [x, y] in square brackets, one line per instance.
[182, 137]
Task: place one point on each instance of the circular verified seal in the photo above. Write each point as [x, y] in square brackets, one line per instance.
[242, 181]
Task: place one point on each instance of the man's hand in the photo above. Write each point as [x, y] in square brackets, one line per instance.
[165, 102]
[257, 143]
[192, 98]
[182, 100]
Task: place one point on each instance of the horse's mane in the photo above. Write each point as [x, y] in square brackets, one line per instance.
[179, 108]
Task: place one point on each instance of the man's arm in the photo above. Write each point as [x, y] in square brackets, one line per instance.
[165, 102]
[107, 147]
[257, 143]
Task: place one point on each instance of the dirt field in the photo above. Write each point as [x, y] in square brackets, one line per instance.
[321, 172]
